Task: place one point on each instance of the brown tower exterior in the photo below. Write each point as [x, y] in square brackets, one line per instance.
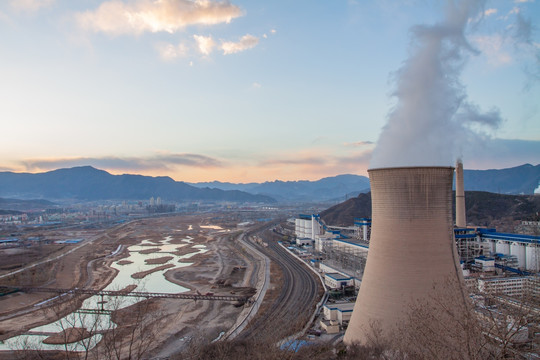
[411, 248]
[461, 222]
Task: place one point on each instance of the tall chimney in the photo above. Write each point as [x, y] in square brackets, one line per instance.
[411, 249]
[460, 196]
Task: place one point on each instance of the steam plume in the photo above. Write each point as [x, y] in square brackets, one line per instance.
[432, 111]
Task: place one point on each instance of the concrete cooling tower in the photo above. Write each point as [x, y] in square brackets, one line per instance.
[411, 247]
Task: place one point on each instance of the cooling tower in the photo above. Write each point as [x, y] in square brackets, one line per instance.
[411, 247]
[460, 197]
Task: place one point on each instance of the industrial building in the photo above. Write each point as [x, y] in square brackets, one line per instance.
[516, 286]
[340, 312]
[337, 280]
[521, 251]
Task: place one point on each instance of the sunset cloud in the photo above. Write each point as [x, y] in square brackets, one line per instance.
[31, 5]
[205, 44]
[117, 17]
[171, 52]
[246, 42]
[317, 163]
[160, 162]
[360, 143]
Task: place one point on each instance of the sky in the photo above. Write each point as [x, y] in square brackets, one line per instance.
[253, 91]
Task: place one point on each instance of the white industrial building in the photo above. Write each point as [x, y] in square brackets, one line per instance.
[328, 269]
[512, 286]
[519, 251]
[484, 264]
[337, 280]
[308, 226]
[340, 312]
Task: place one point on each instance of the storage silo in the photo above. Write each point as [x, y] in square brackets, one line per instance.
[411, 248]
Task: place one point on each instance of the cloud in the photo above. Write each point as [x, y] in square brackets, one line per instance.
[494, 47]
[205, 44]
[316, 163]
[359, 143]
[523, 30]
[514, 10]
[489, 12]
[246, 42]
[136, 17]
[501, 153]
[31, 5]
[256, 85]
[470, 113]
[314, 160]
[161, 162]
[170, 52]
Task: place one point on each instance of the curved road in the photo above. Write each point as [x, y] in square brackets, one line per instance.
[294, 305]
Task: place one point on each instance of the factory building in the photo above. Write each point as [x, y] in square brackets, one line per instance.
[340, 312]
[521, 251]
[337, 280]
[526, 248]
[484, 264]
[311, 230]
[308, 227]
[363, 226]
[516, 286]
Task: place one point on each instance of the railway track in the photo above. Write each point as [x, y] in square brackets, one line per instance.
[295, 303]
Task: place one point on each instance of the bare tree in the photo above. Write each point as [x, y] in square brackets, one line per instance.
[492, 326]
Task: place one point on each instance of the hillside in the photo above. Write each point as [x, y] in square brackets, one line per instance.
[87, 183]
[24, 205]
[522, 179]
[482, 209]
[325, 189]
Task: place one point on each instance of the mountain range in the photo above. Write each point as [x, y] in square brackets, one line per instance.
[86, 183]
[522, 179]
[327, 189]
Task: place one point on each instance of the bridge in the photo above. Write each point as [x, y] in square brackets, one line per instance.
[139, 294]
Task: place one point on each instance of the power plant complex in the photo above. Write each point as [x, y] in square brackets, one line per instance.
[411, 253]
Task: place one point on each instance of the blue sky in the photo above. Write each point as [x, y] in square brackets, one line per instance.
[247, 90]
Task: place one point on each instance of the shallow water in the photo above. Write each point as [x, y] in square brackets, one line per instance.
[154, 282]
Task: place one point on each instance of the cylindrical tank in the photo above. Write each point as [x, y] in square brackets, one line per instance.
[411, 249]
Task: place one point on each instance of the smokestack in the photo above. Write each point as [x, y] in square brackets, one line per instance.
[461, 222]
[411, 248]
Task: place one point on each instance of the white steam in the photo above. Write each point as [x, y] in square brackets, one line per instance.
[432, 114]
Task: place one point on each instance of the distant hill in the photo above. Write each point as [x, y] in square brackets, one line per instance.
[522, 179]
[24, 205]
[88, 183]
[488, 209]
[326, 189]
[482, 209]
[344, 214]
